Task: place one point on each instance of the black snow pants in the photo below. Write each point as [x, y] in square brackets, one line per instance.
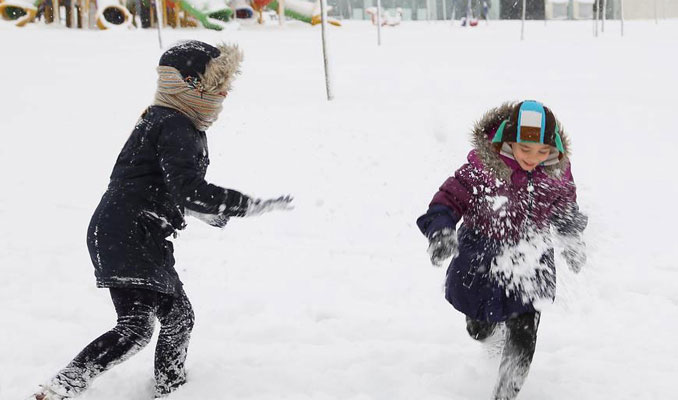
[137, 310]
[519, 346]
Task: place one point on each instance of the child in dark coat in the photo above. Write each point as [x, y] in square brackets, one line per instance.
[516, 186]
[158, 179]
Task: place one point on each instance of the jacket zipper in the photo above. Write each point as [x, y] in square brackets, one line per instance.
[530, 196]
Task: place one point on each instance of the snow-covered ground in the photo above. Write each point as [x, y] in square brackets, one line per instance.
[337, 299]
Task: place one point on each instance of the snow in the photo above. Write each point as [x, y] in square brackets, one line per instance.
[518, 268]
[497, 201]
[336, 299]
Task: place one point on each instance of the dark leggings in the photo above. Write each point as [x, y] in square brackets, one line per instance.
[137, 310]
[521, 340]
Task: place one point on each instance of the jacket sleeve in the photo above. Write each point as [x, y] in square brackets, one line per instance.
[438, 217]
[449, 204]
[566, 217]
[178, 152]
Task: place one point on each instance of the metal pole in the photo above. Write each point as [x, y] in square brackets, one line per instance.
[137, 6]
[56, 11]
[621, 10]
[281, 12]
[604, 12]
[323, 16]
[656, 13]
[545, 13]
[444, 10]
[378, 22]
[85, 6]
[522, 25]
[70, 14]
[158, 22]
[595, 32]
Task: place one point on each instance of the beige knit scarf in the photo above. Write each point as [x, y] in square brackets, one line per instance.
[200, 106]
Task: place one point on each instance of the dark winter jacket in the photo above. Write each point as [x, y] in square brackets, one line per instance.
[505, 259]
[158, 175]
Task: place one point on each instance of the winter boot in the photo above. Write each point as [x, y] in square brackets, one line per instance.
[45, 393]
[521, 339]
[494, 344]
[162, 391]
[491, 334]
[479, 330]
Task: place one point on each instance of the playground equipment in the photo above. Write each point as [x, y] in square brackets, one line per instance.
[387, 19]
[181, 13]
[115, 14]
[203, 18]
[18, 10]
[296, 9]
[111, 14]
[305, 11]
[243, 9]
[469, 19]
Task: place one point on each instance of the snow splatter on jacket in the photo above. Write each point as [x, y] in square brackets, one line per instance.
[505, 259]
[158, 175]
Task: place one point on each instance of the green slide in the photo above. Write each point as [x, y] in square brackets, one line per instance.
[223, 15]
[291, 13]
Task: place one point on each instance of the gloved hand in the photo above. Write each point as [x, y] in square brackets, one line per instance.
[216, 220]
[442, 245]
[574, 253]
[236, 204]
[259, 206]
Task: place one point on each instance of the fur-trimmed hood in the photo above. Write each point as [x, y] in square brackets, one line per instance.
[485, 129]
[202, 66]
[221, 71]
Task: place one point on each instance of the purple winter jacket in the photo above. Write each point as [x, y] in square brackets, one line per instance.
[505, 259]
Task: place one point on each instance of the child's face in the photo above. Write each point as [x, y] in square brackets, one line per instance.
[530, 155]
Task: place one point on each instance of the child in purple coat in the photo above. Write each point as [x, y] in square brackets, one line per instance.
[516, 186]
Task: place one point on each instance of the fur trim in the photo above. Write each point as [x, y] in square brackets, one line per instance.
[221, 71]
[490, 158]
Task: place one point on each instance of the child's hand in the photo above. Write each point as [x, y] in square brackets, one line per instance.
[575, 254]
[216, 220]
[259, 206]
[442, 245]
